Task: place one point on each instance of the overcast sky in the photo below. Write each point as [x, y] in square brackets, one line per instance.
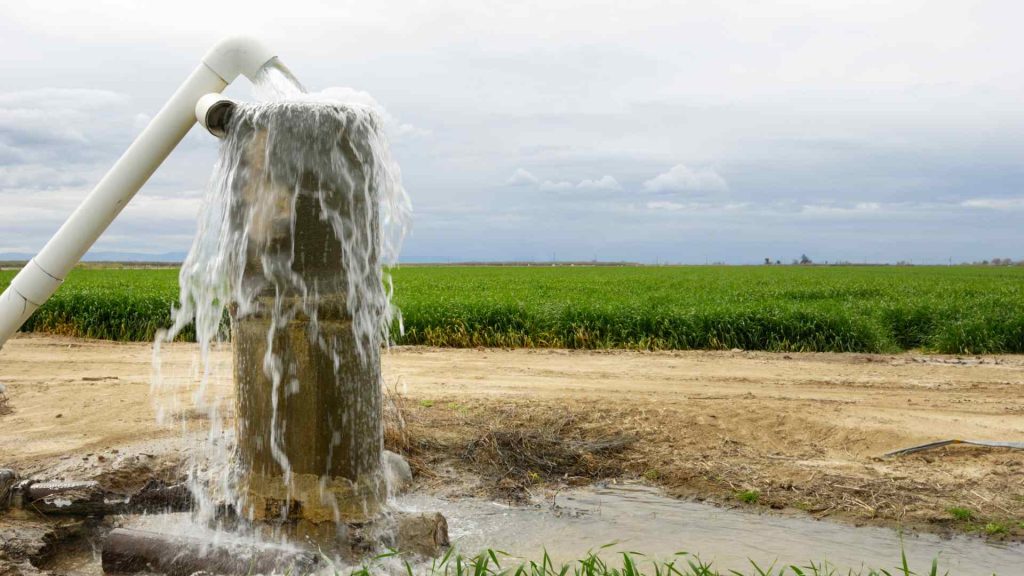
[625, 130]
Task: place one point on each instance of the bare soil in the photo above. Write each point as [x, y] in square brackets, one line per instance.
[802, 433]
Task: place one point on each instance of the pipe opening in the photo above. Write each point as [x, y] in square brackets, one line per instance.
[214, 112]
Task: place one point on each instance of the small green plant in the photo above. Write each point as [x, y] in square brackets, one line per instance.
[427, 403]
[749, 496]
[995, 528]
[652, 474]
[498, 563]
[961, 514]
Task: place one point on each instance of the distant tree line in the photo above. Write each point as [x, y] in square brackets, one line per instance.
[805, 260]
[1000, 262]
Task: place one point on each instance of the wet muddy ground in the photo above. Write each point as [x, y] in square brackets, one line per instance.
[799, 435]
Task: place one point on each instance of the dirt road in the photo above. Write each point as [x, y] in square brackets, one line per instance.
[800, 432]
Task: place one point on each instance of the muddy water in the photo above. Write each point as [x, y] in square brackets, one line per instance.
[641, 519]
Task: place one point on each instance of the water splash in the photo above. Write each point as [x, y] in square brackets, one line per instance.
[289, 153]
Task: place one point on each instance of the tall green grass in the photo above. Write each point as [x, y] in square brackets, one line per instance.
[963, 310]
[845, 309]
[112, 304]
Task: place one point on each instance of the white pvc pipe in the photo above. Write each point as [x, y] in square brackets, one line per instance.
[41, 277]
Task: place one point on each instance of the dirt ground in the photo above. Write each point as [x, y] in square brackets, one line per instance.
[800, 433]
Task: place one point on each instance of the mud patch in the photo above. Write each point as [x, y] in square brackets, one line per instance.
[29, 542]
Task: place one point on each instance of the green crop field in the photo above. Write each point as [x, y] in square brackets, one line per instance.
[865, 309]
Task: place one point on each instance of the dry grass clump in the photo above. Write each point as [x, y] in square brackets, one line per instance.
[396, 431]
[509, 448]
[514, 457]
[548, 453]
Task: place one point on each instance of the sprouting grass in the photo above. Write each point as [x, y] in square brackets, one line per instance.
[961, 310]
[748, 496]
[495, 563]
[961, 514]
[995, 528]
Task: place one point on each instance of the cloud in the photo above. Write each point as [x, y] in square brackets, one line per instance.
[681, 178]
[828, 210]
[60, 125]
[556, 186]
[61, 99]
[667, 205]
[140, 121]
[49, 117]
[406, 130]
[670, 206]
[994, 203]
[605, 182]
[41, 176]
[521, 178]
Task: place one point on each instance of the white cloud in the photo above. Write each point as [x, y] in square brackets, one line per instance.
[145, 208]
[670, 206]
[140, 121]
[42, 176]
[59, 124]
[521, 177]
[61, 99]
[407, 130]
[828, 210]
[681, 178]
[559, 186]
[667, 205]
[994, 203]
[40, 126]
[605, 182]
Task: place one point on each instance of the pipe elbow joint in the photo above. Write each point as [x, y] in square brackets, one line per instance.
[238, 55]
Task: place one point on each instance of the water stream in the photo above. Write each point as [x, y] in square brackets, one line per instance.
[639, 518]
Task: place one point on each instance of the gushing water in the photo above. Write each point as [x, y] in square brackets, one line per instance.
[304, 211]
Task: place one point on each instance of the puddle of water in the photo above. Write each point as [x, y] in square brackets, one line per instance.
[641, 519]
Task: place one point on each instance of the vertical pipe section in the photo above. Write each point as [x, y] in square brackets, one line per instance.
[38, 280]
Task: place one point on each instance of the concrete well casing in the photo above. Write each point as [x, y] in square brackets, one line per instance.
[315, 400]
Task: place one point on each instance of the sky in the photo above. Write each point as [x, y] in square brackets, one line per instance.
[681, 132]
